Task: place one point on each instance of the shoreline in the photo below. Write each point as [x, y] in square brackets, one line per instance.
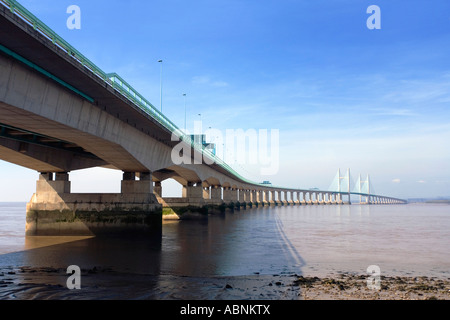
[26, 283]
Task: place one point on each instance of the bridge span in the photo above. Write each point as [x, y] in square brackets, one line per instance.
[59, 112]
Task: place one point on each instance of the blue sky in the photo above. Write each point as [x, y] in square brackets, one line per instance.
[341, 95]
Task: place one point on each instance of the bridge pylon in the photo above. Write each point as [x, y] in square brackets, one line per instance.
[364, 187]
[343, 185]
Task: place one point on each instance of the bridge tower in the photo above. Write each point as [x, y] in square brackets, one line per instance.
[362, 188]
[346, 184]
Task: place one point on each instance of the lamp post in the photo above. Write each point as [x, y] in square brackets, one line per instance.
[160, 85]
[200, 134]
[184, 95]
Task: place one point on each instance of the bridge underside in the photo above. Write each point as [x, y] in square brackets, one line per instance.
[43, 153]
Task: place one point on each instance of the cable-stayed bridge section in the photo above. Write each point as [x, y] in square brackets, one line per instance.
[59, 112]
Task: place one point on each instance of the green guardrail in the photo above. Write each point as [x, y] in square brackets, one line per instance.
[119, 84]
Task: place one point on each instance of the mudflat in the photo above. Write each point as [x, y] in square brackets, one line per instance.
[26, 283]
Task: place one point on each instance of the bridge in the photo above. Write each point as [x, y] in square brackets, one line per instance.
[59, 113]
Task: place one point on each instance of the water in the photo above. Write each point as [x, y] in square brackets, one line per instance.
[12, 226]
[311, 240]
[411, 240]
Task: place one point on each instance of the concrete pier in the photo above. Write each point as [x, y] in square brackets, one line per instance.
[54, 210]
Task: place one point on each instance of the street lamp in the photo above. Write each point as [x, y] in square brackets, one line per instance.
[201, 124]
[201, 129]
[184, 95]
[160, 84]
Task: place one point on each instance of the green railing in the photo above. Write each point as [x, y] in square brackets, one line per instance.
[115, 81]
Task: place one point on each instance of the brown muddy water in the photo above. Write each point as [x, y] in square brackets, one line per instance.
[248, 254]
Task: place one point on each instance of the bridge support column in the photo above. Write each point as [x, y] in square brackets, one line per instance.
[258, 197]
[194, 192]
[265, 197]
[228, 195]
[307, 197]
[338, 198]
[130, 185]
[49, 187]
[291, 198]
[206, 193]
[54, 210]
[297, 195]
[286, 197]
[157, 189]
[216, 194]
[313, 196]
[252, 198]
[319, 197]
[262, 197]
[324, 198]
[276, 197]
[271, 195]
[234, 195]
[246, 198]
[240, 195]
[280, 197]
[328, 198]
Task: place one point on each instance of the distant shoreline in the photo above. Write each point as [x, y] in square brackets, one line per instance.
[438, 201]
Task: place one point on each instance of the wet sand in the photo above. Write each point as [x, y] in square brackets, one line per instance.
[354, 287]
[27, 283]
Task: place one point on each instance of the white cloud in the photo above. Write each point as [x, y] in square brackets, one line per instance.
[219, 84]
[200, 80]
[207, 81]
[393, 112]
[419, 91]
[396, 180]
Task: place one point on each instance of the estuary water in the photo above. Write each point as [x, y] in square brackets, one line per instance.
[402, 240]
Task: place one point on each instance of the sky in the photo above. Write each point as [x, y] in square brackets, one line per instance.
[341, 95]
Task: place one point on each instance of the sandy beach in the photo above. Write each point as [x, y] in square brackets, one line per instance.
[27, 283]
